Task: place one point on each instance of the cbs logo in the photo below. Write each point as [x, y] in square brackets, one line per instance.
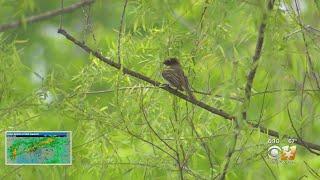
[284, 153]
[274, 152]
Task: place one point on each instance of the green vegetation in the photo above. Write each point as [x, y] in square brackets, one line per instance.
[126, 128]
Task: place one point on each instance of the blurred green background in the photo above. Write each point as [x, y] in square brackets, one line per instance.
[48, 83]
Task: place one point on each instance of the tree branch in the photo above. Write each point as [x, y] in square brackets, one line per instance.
[248, 87]
[255, 59]
[145, 78]
[44, 16]
[179, 94]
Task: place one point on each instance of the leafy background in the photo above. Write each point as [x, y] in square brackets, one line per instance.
[47, 83]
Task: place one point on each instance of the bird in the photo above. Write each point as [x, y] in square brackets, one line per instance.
[173, 73]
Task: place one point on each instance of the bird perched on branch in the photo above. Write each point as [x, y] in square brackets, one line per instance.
[173, 73]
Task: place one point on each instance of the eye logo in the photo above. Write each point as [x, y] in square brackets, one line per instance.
[274, 152]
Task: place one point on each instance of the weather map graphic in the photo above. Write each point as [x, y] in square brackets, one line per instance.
[38, 148]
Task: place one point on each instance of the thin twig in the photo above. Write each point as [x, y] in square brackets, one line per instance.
[120, 31]
[177, 132]
[20, 123]
[140, 164]
[199, 30]
[306, 45]
[312, 171]
[151, 143]
[90, 141]
[142, 108]
[205, 8]
[204, 145]
[302, 94]
[45, 15]
[150, 87]
[283, 90]
[231, 150]
[119, 59]
[297, 134]
[266, 163]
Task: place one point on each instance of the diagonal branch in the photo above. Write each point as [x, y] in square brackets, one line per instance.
[145, 78]
[45, 15]
[179, 94]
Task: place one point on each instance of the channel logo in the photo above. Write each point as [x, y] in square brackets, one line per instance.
[284, 153]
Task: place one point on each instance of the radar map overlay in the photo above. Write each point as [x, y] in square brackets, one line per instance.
[38, 148]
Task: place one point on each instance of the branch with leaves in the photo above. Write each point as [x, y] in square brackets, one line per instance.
[200, 104]
[255, 59]
[45, 15]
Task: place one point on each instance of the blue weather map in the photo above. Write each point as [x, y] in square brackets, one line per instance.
[42, 148]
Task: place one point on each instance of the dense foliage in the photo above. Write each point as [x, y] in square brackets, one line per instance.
[124, 128]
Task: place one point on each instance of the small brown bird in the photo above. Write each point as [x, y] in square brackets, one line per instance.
[173, 73]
